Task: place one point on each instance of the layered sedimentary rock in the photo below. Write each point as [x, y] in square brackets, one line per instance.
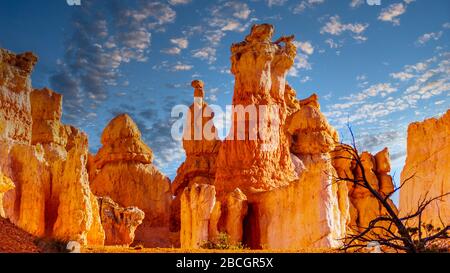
[255, 155]
[201, 143]
[197, 203]
[45, 160]
[427, 167]
[119, 223]
[123, 170]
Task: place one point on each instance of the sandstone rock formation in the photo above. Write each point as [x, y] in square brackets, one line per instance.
[201, 143]
[428, 167]
[228, 217]
[197, 203]
[123, 170]
[119, 223]
[45, 160]
[274, 191]
[261, 159]
[5, 185]
[311, 211]
[363, 206]
[15, 89]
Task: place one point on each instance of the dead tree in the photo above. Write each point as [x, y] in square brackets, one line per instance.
[390, 230]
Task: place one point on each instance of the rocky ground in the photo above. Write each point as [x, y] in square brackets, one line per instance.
[15, 240]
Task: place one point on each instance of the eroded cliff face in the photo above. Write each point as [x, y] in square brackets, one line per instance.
[427, 167]
[123, 170]
[45, 160]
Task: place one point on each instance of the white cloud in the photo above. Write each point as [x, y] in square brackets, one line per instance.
[430, 80]
[179, 2]
[240, 10]
[305, 79]
[171, 51]
[332, 44]
[446, 25]
[336, 28]
[271, 3]
[380, 89]
[181, 43]
[206, 53]
[356, 3]
[181, 67]
[305, 47]
[428, 37]
[392, 12]
[301, 63]
[299, 8]
[402, 76]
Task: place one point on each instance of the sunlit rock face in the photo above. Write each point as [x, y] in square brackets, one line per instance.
[15, 89]
[123, 170]
[5, 185]
[197, 203]
[202, 145]
[260, 67]
[427, 167]
[363, 205]
[311, 211]
[119, 223]
[45, 160]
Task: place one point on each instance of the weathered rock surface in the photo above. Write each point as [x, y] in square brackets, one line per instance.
[202, 145]
[5, 185]
[45, 160]
[363, 206]
[428, 167]
[304, 214]
[263, 162]
[15, 89]
[123, 170]
[197, 203]
[119, 223]
[228, 217]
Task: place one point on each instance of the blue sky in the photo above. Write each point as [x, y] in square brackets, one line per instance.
[377, 67]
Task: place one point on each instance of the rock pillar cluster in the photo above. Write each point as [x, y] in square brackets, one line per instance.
[272, 191]
[45, 160]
